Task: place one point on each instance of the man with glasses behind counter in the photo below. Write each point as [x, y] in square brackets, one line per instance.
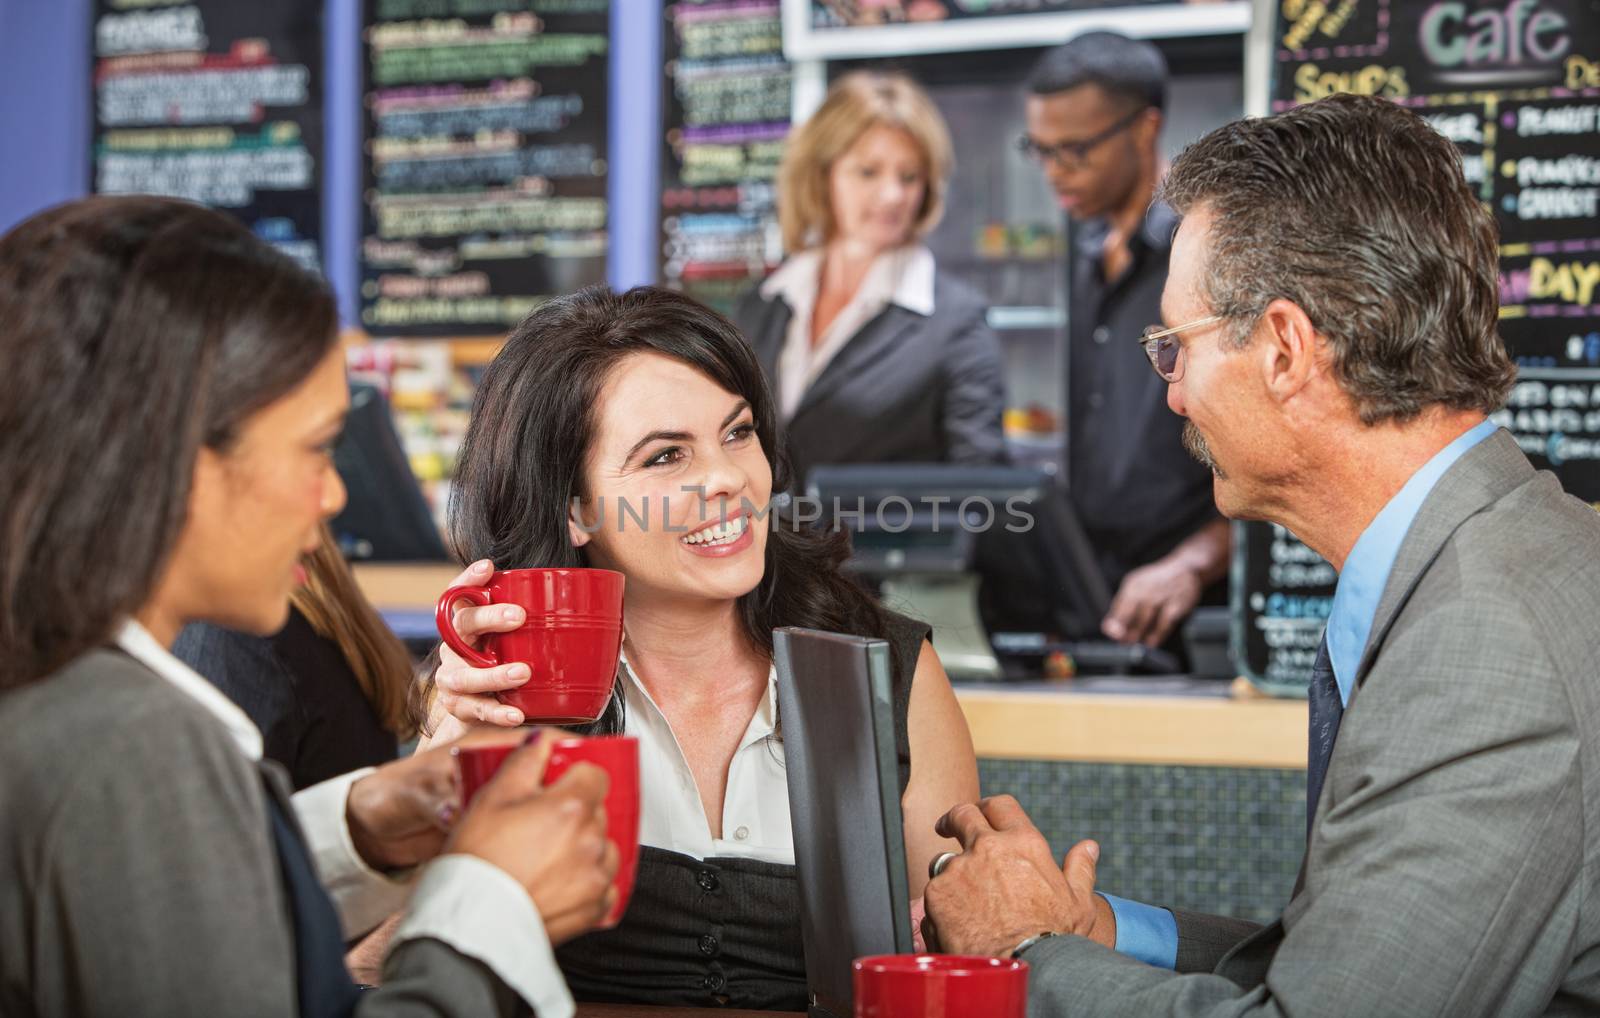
[1094, 114]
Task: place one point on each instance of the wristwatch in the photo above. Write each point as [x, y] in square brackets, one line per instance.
[1016, 952]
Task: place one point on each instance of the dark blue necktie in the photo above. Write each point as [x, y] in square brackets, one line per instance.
[1326, 710]
[325, 987]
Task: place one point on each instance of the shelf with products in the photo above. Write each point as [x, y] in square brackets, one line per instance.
[464, 351]
[1026, 318]
[429, 386]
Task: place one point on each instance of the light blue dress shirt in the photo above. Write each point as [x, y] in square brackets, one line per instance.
[1150, 934]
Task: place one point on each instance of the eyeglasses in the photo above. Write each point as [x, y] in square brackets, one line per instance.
[1070, 155]
[1164, 351]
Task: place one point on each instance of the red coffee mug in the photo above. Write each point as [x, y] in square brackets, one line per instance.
[617, 755]
[571, 639]
[940, 986]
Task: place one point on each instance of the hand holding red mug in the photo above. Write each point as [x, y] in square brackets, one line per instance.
[399, 814]
[552, 840]
[537, 644]
[466, 692]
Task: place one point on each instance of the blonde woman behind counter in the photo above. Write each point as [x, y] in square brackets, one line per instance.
[874, 354]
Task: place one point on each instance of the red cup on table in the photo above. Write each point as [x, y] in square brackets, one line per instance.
[617, 755]
[940, 986]
[570, 640]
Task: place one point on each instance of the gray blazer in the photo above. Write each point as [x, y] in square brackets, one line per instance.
[907, 388]
[137, 870]
[1453, 869]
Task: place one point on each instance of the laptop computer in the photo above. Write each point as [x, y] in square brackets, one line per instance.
[836, 710]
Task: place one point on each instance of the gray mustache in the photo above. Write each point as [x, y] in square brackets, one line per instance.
[1196, 445]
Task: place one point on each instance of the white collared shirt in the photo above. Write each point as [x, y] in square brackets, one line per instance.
[470, 904]
[755, 805]
[902, 276]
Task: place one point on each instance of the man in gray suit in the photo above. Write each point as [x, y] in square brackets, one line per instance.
[1331, 339]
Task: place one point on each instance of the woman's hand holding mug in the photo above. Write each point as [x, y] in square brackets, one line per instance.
[538, 644]
[551, 840]
[466, 693]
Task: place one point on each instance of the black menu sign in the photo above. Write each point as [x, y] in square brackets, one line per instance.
[484, 161]
[726, 106]
[217, 102]
[1516, 85]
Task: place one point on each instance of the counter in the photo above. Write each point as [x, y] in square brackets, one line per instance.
[1135, 720]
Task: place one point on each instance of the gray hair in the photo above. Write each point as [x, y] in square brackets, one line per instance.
[1358, 212]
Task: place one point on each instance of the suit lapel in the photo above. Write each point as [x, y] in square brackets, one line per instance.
[768, 339]
[877, 339]
[276, 781]
[1483, 475]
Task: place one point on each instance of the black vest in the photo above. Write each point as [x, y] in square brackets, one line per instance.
[720, 932]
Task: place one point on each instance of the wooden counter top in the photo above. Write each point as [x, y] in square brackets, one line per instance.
[1042, 721]
[1055, 723]
[411, 586]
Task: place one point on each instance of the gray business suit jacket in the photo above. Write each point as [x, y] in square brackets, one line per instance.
[1454, 867]
[907, 388]
[138, 875]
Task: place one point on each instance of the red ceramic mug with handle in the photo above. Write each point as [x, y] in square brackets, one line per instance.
[617, 755]
[940, 986]
[570, 640]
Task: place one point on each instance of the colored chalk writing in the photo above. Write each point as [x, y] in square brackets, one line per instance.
[484, 163]
[726, 111]
[215, 102]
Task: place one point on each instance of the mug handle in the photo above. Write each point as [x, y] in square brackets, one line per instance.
[444, 619]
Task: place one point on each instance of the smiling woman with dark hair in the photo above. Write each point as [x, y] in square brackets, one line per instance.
[603, 409]
[171, 393]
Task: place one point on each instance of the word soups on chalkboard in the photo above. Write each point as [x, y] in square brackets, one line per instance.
[727, 113]
[1515, 84]
[217, 102]
[484, 160]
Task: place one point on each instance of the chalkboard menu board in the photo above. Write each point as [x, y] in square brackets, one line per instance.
[218, 102]
[726, 106]
[484, 161]
[1516, 85]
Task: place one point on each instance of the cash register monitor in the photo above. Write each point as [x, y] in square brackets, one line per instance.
[837, 708]
[1040, 587]
[1020, 535]
[386, 517]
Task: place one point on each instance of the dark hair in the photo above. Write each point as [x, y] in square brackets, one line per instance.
[1130, 71]
[336, 610]
[533, 422]
[1357, 211]
[137, 329]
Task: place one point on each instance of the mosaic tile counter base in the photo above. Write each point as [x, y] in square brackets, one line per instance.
[1215, 839]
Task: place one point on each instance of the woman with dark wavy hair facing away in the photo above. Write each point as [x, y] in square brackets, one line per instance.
[171, 394]
[605, 407]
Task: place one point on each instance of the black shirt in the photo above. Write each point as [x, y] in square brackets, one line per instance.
[1137, 490]
[298, 689]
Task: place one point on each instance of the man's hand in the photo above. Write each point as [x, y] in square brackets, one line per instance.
[1005, 887]
[1155, 598]
[400, 813]
[1151, 601]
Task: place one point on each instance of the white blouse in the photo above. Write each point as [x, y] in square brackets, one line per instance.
[902, 276]
[755, 807]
